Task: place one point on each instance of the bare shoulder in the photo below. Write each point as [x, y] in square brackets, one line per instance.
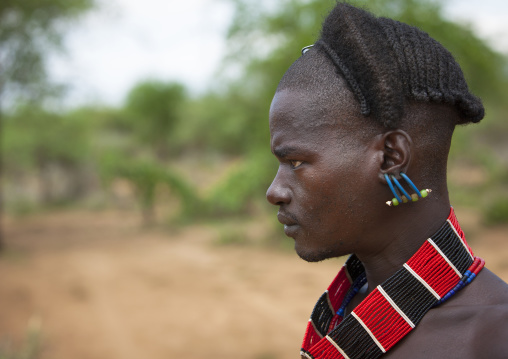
[472, 324]
[486, 301]
[486, 289]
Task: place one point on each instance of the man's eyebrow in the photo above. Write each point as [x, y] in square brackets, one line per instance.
[283, 152]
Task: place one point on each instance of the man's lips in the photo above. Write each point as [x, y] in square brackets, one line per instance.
[286, 219]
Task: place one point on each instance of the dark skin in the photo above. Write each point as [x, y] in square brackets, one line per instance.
[331, 193]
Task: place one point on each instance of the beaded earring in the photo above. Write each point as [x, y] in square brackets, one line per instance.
[405, 197]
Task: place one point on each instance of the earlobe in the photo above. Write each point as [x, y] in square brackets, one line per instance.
[396, 150]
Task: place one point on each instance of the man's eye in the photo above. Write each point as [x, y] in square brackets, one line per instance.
[295, 163]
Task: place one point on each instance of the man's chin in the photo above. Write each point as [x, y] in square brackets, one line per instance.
[313, 256]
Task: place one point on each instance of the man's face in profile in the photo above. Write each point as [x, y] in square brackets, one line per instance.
[321, 183]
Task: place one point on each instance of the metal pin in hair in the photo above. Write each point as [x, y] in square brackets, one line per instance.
[307, 48]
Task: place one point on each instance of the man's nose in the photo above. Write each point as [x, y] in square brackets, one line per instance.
[278, 193]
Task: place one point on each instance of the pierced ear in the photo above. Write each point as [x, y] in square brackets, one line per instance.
[397, 147]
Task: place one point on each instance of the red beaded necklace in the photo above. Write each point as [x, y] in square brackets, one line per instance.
[442, 266]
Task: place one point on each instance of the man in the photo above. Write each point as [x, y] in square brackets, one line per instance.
[364, 119]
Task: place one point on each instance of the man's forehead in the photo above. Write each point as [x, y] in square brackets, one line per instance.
[304, 109]
[297, 108]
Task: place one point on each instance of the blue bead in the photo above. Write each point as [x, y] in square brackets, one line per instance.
[467, 278]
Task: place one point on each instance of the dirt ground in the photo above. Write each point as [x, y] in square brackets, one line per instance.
[102, 287]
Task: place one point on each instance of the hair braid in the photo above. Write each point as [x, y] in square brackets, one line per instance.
[352, 36]
[398, 49]
[387, 63]
[357, 91]
[419, 92]
[432, 72]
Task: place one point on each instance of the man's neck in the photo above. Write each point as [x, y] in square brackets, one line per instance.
[403, 237]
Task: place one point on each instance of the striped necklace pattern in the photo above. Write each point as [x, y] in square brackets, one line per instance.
[441, 267]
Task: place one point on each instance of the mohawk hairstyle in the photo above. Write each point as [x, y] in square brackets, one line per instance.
[387, 63]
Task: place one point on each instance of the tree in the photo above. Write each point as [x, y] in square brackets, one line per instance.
[28, 30]
[44, 141]
[146, 176]
[155, 108]
[144, 141]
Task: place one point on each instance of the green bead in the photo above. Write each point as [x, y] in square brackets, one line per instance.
[414, 197]
[404, 199]
[424, 193]
[395, 202]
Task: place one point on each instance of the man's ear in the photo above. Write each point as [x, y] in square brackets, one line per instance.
[396, 147]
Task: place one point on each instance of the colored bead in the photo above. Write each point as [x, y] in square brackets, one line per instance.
[467, 278]
[395, 202]
[401, 195]
[399, 186]
[410, 183]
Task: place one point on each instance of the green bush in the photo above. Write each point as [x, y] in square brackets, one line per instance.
[497, 212]
[246, 183]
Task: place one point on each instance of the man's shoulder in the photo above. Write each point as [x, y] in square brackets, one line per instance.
[486, 290]
[488, 339]
[485, 302]
[472, 324]
[478, 316]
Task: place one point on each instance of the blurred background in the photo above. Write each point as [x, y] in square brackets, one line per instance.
[135, 161]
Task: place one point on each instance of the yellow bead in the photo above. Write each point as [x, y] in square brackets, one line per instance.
[414, 197]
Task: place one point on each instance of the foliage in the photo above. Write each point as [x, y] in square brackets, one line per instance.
[146, 176]
[242, 185]
[216, 122]
[41, 143]
[34, 136]
[497, 211]
[28, 30]
[154, 109]
[138, 143]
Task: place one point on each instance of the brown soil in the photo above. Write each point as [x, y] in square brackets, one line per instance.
[102, 287]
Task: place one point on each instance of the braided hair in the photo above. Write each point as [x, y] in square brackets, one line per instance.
[388, 64]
